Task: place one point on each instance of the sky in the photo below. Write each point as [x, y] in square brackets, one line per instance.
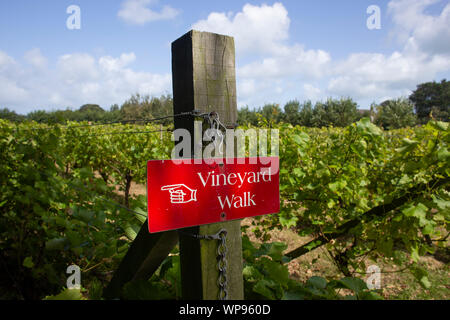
[54, 57]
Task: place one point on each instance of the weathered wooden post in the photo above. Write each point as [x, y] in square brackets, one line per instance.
[203, 70]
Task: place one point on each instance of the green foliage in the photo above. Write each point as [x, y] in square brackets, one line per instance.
[50, 218]
[165, 284]
[333, 176]
[67, 294]
[54, 180]
[12, 116]
[266, 277]
[246, 116]
[432, 101]
[333, 112]
[146, 107]
[292, 113]
[338, 113]
[137, 107]
[395, 114]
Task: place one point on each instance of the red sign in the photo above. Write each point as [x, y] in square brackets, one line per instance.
[192, 192]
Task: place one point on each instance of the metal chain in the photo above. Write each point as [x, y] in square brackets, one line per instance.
[222, 262]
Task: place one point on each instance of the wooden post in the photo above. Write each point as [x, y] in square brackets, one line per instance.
[203, 70]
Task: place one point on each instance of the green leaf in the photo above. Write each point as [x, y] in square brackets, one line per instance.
[277, 271]
[418, 211]
[67, 294]
[264, 288]
[337, 185]
[317, 282]
[415, 254]
[251, 273]
[276, 250]
[313, 244]
[301, 138]
[367, 127]
[298, 172]
[443, 154]
[369, 295]
[421, 275]
[293, 295]
[439, 125]
[425, 282]
[288, 221]
[441, 204]
[354, 284]
[28, 262]
[409, 141]
[56, 244]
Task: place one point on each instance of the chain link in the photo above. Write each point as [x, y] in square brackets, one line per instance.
[222, 262]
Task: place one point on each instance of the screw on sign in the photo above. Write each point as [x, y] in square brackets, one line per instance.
[183, 193]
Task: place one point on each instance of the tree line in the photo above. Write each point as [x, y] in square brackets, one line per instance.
[430, 100]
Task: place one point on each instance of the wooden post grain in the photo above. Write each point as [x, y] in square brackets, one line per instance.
[203, 70]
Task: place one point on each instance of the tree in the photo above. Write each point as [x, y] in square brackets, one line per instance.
[10, 115]
[91, 108]
[292, 112]
[131, 108]
[272, 113]
[432, 100]
[393, 114]
[306, 114]
[247, 116]
[42, 116]
[146, 107]
[339, 113]
[90, 112]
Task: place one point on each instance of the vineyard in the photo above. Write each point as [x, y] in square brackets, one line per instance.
[357, 192]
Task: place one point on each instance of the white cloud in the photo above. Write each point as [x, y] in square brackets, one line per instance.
[77, 67]
[11, 93]
[364, 76]
[5, 60]
[311, 92]
[421, 31]
[256, 29]
[262, 33]
[109, 63]
[7, 64]
[77, 79]
[372, 77]
[425, 54]
[137, 12]
[10, 90]
[35, 58]
[294, 60]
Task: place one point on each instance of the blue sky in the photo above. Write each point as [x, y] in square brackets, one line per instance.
[284, 49]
